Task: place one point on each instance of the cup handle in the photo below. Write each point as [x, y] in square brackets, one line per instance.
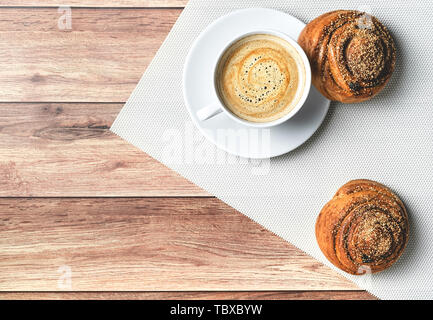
[208, 112]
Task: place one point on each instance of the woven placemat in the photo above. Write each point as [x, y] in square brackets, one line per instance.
[388, 139]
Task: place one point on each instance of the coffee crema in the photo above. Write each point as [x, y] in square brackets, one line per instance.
[260, 78]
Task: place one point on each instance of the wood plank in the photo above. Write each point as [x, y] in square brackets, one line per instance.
[96, 3]
[62, 149]
[100, 59]
[226, 295]
[147, 244]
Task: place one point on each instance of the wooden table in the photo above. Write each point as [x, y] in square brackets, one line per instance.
[79, 203]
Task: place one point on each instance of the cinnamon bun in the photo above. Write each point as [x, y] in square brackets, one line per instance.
[352, 55]
[364, 228]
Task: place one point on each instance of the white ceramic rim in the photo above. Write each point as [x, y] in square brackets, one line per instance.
[302, 99]
[199, 124]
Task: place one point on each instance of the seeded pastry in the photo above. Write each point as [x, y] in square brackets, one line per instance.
[364, 228]
[352, 55]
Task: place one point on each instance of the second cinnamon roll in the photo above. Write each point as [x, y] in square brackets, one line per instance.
[364, 228]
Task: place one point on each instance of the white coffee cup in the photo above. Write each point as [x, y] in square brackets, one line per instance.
[218, 106]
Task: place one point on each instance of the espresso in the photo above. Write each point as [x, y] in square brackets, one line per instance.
[260, 78]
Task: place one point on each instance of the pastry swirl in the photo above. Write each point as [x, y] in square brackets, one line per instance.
[352, 55]
[364, 228]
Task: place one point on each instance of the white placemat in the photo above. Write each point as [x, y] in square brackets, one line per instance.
[388, 139]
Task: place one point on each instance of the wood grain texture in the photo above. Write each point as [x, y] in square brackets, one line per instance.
[225, 295]
[96, 3]
[153, 244]
[60, 149]
[100, 59]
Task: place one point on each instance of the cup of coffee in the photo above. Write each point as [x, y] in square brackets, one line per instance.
[261, 79]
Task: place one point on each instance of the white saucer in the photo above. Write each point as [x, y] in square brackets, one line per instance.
[199, 92]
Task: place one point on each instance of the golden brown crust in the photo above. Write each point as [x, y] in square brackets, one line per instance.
[364, 228]
[352, 55]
